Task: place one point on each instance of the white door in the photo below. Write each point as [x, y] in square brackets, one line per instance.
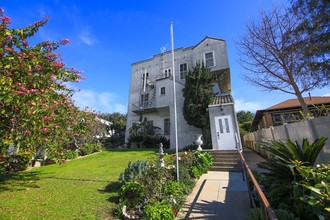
[225, 133]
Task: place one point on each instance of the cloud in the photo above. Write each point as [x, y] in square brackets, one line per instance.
[87, 37]
[327, 94]
[241, 105]
[104, 102]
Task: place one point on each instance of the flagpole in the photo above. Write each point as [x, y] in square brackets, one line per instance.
[175, 114]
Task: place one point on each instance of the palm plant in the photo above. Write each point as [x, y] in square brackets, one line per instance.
[281, 174]
[143, 131]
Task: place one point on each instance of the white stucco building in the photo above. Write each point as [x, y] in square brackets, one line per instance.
[151, 93]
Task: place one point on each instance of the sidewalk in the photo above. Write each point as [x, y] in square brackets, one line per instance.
[220, 195]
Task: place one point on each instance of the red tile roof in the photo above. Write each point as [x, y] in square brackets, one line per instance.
[222, 99]
[295, 103]
[290, 103]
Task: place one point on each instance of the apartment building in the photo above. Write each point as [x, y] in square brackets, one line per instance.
[151, 92]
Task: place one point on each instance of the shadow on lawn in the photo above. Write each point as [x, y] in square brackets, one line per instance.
[19, 181]
[112, 188]
[75, 179]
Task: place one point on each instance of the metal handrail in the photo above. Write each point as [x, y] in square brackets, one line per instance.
[267, 211]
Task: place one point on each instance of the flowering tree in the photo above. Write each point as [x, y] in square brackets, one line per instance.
[35, 105]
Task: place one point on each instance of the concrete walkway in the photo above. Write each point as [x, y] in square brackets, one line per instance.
[220, 195]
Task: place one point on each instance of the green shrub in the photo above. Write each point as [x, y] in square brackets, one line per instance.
[162, 195]
[135, 138]
[113, 141]
[190, 147]
[2, 166]
[186, 179]
[187, 159]
[89, 149]
[256, 214]
[174, 194]
[161, 139]
[174, 188]
[154, 181]
[70, 154]
[18, 162]
[134, 171]
[282, 171]
[158, 211]
[132, 194]
[195, 172]
[201, 164]
[312, 192]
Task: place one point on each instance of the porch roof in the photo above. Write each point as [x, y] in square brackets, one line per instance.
[222, 99]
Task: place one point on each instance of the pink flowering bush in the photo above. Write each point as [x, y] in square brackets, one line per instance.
[35, 104]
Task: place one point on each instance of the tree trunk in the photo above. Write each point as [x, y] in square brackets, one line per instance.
[303, 104]
[301, 100]
[298, 94]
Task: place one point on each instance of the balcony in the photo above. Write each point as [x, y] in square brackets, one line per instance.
[163, 76]
[141, 108]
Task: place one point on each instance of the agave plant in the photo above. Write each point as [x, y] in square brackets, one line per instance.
[280, 176]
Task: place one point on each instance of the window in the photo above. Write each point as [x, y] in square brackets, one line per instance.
[145, 78]
[167, 125]
[183, 70]
[162, 91]
[167, 73]
[220, 126]
[144, 100]
[209, 59]
[227, 125]
[277, 118]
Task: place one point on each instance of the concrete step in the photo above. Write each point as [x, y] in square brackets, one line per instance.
[225, 168]
[225, 161]
[221, 151]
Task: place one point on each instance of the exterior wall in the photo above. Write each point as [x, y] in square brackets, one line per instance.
[164, 104]
[311, 129]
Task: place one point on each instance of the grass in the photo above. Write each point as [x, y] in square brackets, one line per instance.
[85, 188]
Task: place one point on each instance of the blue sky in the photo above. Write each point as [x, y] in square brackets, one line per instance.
[107, 36]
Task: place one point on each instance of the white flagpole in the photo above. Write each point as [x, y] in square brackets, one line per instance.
[174, 100]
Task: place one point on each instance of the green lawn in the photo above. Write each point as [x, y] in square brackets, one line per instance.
[84, 188]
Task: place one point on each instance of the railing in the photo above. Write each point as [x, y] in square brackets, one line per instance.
[267, 211]
[163, 76]
[143, 106]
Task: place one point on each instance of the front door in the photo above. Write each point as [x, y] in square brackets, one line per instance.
[225, 133]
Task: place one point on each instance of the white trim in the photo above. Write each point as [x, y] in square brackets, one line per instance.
[180, 70]
[213, 56]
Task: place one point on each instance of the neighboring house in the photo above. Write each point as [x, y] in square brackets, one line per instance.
[151, 94]
[290, 110]
[106, 123]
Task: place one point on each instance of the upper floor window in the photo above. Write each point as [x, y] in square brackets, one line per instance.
[162, 91]
[167, 73]
[145, 78]
[183, 70]
[209, 59]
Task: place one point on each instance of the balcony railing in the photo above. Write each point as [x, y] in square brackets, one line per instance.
[163, 76]
[144, 107]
